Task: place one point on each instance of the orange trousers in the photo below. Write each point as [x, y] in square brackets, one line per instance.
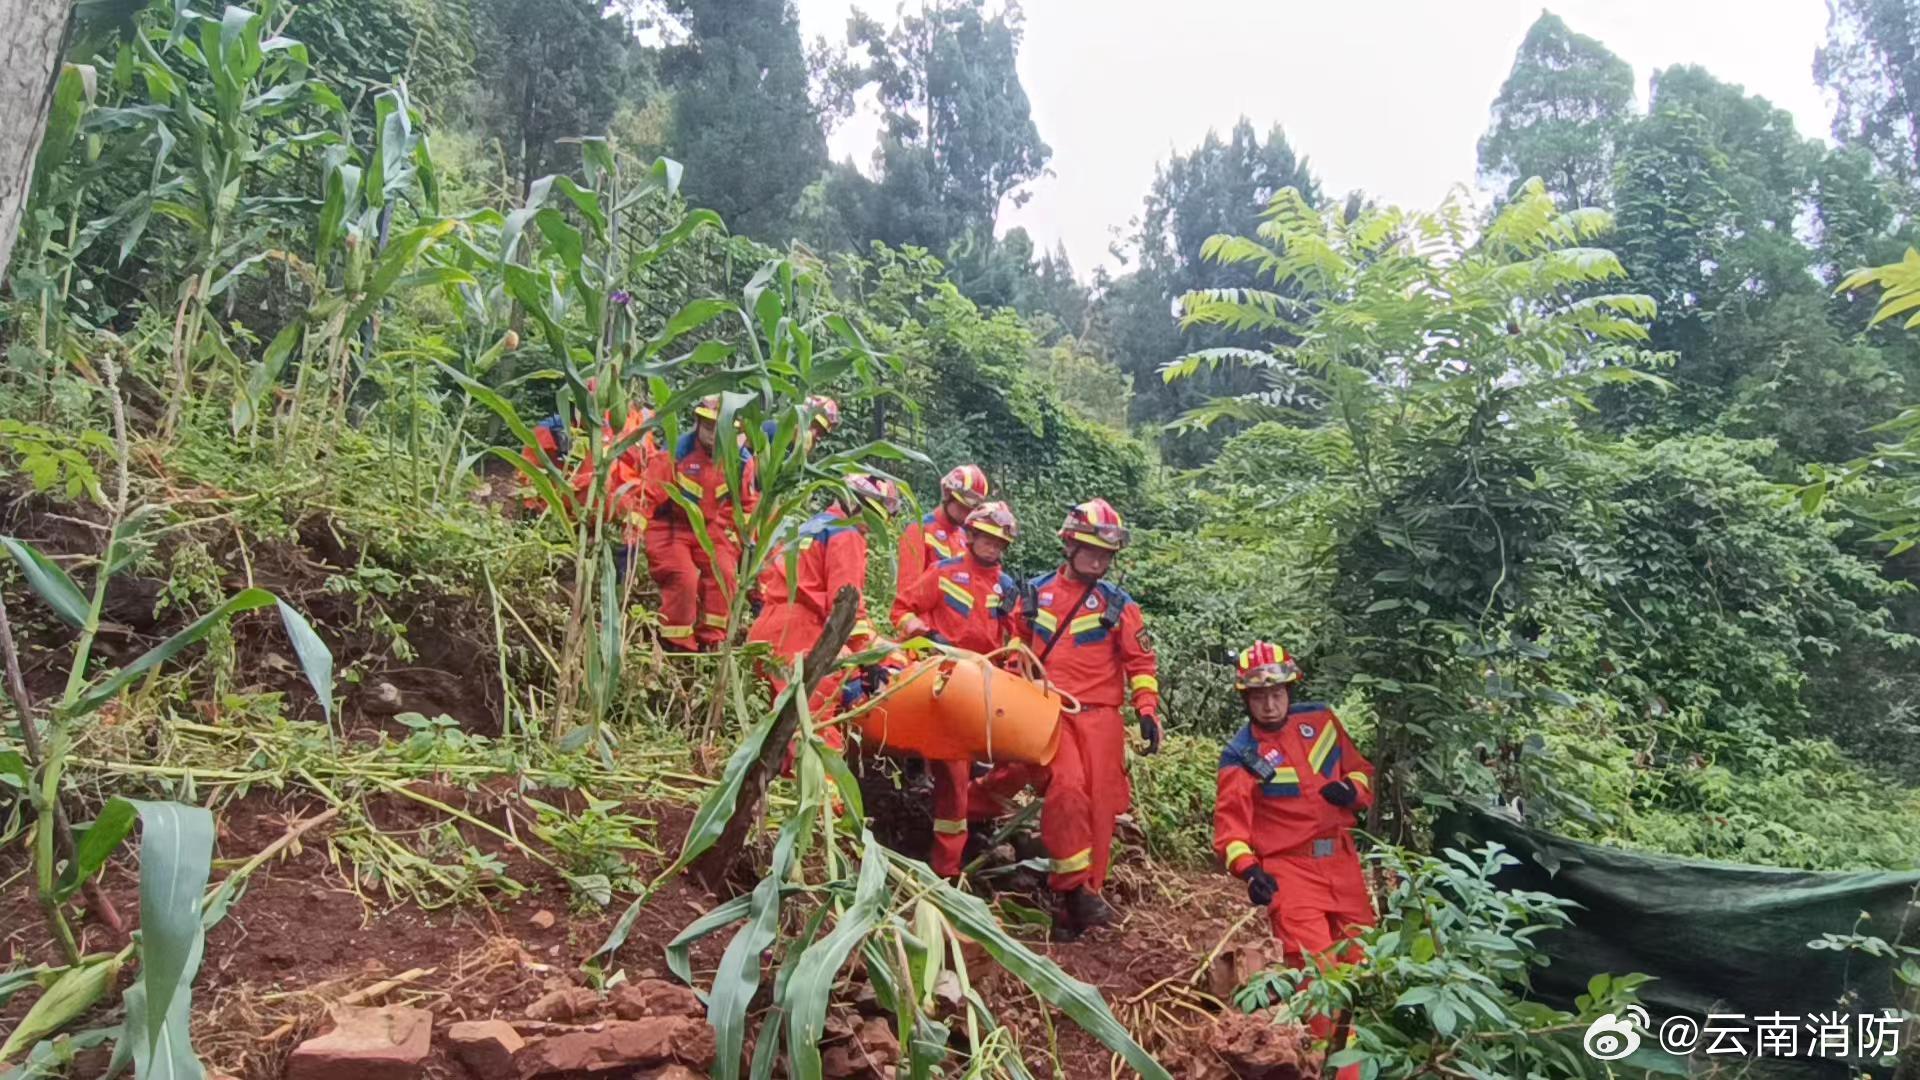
[1085, 788]
[695, 591]
[1320, 905]
[950, 790]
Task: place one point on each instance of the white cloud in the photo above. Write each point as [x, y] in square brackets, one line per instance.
[1387, 96]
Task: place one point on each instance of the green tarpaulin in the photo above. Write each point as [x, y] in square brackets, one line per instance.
[1718, 937]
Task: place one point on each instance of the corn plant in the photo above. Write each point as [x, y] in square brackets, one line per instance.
[907, 925]
[179, 839]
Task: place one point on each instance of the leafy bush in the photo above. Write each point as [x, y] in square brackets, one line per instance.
[1442, 981]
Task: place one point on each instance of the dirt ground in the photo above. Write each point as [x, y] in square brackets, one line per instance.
[300, 937]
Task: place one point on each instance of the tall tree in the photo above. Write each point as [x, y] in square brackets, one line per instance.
[556, 67]
[1871, 63]
[958, 122]
[1560, 115]
[743, 122]
[30, 37]
[1221, 186]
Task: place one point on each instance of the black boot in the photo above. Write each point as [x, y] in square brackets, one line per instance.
[1083, 910]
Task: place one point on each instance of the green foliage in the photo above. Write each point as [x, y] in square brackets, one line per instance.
[1511, 597]
[1444, 977]
[1868, 64]
[952, 96]
[1173, 798]
[1560, 115]
[742, 120]
[546, 72]
[1220, 186]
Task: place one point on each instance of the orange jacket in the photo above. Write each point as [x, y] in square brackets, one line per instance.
[832, 554]
[625, 486]
[1102, 655]
[700, 478]
[971, 605]
[1255, 815]
[926, 542]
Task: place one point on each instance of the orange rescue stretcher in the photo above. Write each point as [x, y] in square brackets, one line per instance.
[961, 705]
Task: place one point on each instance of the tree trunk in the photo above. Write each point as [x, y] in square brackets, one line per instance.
[721, 862]
[31, 32]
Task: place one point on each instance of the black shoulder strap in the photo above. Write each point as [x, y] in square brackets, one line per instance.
[1061, 630]
[1251, 760]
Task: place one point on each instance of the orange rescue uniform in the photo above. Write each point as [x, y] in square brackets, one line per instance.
[971, 606]
[1099, 655]
[832, 555]
[695, 590]
[1280, 820]
[926, 542]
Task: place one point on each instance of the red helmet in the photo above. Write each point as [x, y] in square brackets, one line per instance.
[994, 519]
[1264, 664]
[968, 483]
[1095, 522]
[709, 408]
[876, 491]
[825, 410]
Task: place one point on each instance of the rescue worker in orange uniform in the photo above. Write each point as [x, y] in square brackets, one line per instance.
[940, 534]
[823, 416]
[557, 434]
[696, 590]
[1290, 787]
[970, 602]
[833, 554]
[1091, 638]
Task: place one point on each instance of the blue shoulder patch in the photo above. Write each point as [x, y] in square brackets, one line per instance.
[819, 525]
[1242, 741]
[1044, 580]
[1303, 708]
[1008, 586]
[684, 447]
[952, 560]
[1114, 594]
[928, 520]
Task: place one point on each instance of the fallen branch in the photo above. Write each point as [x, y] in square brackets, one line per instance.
[717, 864]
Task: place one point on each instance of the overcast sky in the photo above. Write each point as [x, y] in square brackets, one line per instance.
[1388, 96]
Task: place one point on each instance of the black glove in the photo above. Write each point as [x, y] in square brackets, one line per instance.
[1260, 885]
[1150, 731]
[1340, 793]
[877, 676]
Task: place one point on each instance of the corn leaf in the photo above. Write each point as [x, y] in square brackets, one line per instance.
[73, 993]
[105, 690]
[49, 581]
[971, 917]
[176, 856]
[815, 970]
[316, 660]
[738, 977]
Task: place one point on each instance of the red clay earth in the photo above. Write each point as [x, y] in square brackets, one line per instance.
[300, 938]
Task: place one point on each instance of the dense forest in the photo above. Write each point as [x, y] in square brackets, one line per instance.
[1591, 494]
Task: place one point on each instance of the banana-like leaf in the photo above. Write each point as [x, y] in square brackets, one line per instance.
[48, 580]
[176, 856]
[738, 977]
[73, 993]
[815, 971]
[971, 917]
[105, 690]
[316, 660]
